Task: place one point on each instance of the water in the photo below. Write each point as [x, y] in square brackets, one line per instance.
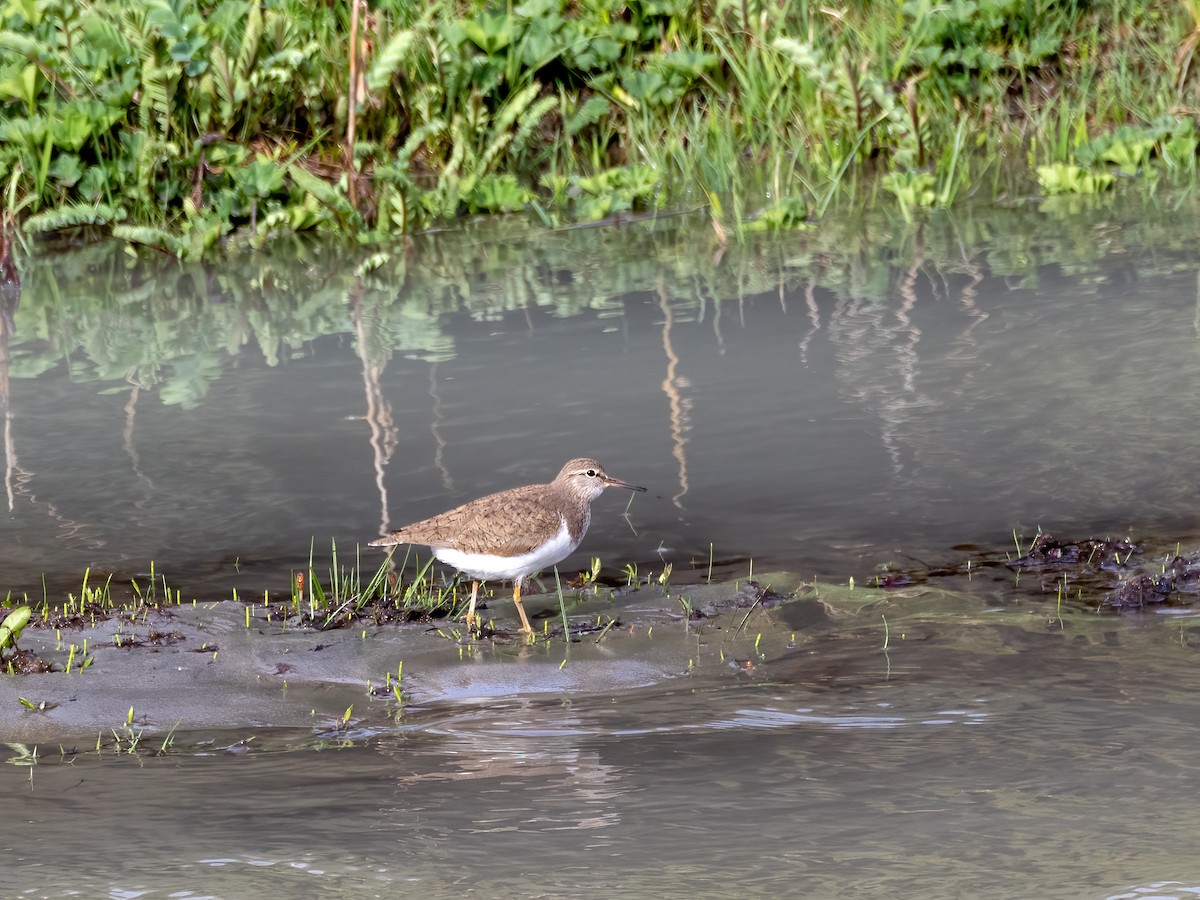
[814, 412]
[1021, 777]
[819, 403]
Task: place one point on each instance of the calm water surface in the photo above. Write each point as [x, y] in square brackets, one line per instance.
[821, 402]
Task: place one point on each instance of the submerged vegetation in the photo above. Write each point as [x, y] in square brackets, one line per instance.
[183, 124]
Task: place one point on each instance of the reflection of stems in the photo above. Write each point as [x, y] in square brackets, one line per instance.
[16, 481]
[379, 412]
[10, 296]
[967, 299]
[435, 429]
[1196, 321]
[680, 405]
[16, 478]
[10, 451]
[814, 318]
[894, 412]
[127, 435]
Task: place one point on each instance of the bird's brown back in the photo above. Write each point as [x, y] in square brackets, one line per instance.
[508, 523]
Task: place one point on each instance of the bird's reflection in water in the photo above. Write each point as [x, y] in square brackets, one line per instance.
[525, 767]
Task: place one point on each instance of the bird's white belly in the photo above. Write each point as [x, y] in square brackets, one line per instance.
[489, 566]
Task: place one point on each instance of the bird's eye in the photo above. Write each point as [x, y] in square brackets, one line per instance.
[590, 473]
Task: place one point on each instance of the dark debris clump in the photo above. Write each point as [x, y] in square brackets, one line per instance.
[1114, 569]
[26, 662]
[1049, 553]
[1176, 578]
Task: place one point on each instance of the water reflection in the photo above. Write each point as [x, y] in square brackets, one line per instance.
[674, 387]
[10, 298]
[819, 402]
[529, 771]
[384, 435]
[816, 401]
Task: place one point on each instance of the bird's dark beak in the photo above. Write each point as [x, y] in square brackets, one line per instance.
[609, 481]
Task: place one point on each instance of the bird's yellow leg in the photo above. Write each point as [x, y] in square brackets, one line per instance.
[471, 608]
[521, 609]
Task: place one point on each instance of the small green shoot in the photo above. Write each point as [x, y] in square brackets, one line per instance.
[631, 575]
[589, 577]
[169, 739]
[562, 606]
[605, 630]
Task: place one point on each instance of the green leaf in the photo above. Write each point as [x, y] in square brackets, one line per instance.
[1129, 155]
[539, 9]
[12, 626]
[491, 33]
[324, 193]
[597, 53]
[23, 86]
[72, 215]
[27, 133]
[1061, 178]
[148, 237]
[543, 42]
[93, 184]
[388, 60]
[184, 50]
[75, 126]
[305, 215]
[498, 193]
[689, 62]
[29, 10]
[66, 169]
[156, 98]
[260, 178]
[911, 188]
[650, 88]
[251, 38]
[591, 112]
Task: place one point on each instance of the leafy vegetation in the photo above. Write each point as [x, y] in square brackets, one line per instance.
[184, 123]
[12, 626]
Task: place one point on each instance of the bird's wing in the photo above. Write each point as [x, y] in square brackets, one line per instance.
[510, 523]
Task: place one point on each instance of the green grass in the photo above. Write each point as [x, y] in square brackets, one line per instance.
[332, 593]
[96, 600]
[194, 124]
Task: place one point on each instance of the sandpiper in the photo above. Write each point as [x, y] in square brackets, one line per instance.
[515, 533]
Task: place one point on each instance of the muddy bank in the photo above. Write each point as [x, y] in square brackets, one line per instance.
[206, 665]
[199, 666]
